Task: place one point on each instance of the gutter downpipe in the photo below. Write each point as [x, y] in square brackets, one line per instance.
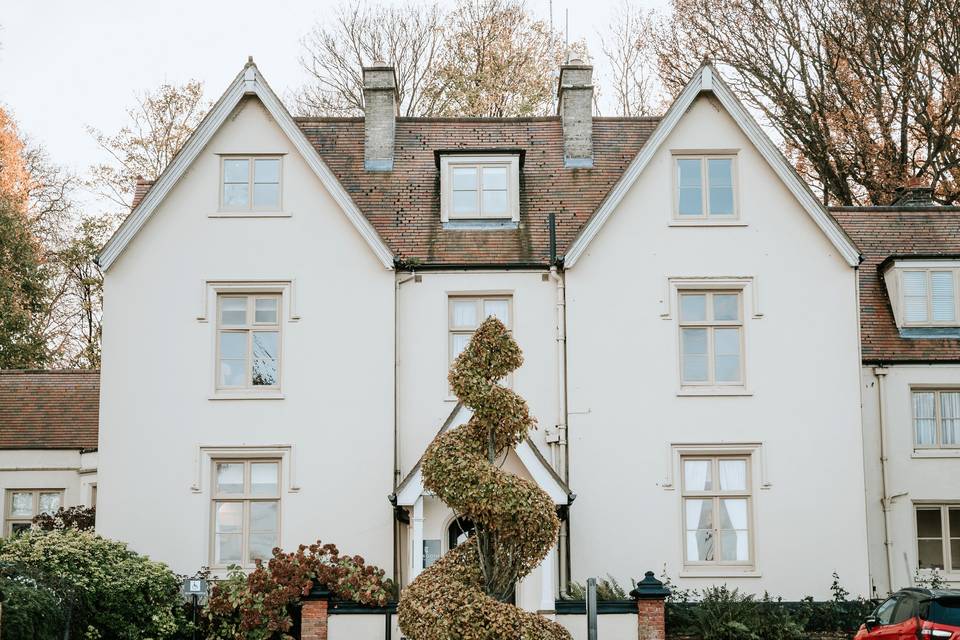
[396, 419]
[561, 457]
[880, 373]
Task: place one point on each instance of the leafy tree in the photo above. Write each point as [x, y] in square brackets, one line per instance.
[864, 93]
[78, 517]
[159, 124]
[23, 292]
[31, 610]
[105, 589]
[463, 593]
[497, 61]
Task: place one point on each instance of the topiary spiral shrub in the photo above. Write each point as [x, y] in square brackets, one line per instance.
[462, 594]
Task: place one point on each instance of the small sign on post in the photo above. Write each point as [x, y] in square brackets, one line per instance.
[591, 609]
[194, 588]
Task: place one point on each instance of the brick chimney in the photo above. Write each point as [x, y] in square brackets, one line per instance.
[575, 107]
[380, 108]
[916, 192]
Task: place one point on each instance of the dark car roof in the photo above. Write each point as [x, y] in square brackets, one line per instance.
[933, 594]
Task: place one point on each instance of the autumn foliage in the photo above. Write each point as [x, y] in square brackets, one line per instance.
[257, 606]
[463, 594]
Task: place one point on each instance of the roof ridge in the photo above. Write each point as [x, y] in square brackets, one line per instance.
[51, 371]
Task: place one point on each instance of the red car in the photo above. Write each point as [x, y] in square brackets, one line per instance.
[915, 614]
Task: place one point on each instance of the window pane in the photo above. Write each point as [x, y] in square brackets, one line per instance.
[460, 342]
[943, 303]
[464, 178]
[266, 170]
[953, 519]
[733, 513]
[21, 504]
[263, 478]
[693, 307]
[726, 306]
[733, 475]
[266, 310]
[499, 309]
[233, 312]
[690, 185]
[950, 419]
[228, 532]
[930, 554]
[266, 196]
[263, 517]
[925, 424]
[229, 478]
[465, 313]
[697, 475]
[700, 543]
[720, 174]
[266, 347]
[232, 372]
[495, 178]
[263, 530]
[494, 203]
[49, 502]
[735, 545]
[694, 355]
[727, 354]
[465, 202]
[929, 524]
[236, 170]
[233, 344]
[955, 554]
[236, 195]
[915, 296]
[17, 528]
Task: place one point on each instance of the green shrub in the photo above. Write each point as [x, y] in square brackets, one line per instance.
[607, 589]
[31, 611]
[106, 590]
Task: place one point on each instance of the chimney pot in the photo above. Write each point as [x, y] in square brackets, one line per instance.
[575, 106]
[915, 192]
[380, 108]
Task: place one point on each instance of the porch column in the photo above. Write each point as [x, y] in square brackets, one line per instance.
[416, 556]
[548, 581]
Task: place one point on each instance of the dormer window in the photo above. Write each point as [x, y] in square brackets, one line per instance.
[480, 187]
[924, 293]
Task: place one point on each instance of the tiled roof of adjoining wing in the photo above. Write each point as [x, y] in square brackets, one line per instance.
[404, 205]
[140, 191]
[49, 409]
[882, 232]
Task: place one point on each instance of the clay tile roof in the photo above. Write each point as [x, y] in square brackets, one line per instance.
[49, 409]
[404, 205]
[884, 232]
[140, 191]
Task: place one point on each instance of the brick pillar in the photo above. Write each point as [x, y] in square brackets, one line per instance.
[313, 615]
[651, 595]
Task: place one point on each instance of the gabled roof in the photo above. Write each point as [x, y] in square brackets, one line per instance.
[411, 487]
[49, 409]
[403, 205]
[901, 232]
[248, 82]
[706, 79]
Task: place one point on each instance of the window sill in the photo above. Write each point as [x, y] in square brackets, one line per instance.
[935, 453]
[701, 222]
[247, 395]
[480, 224]
[724, 572]
[250, 214]
[713, 391]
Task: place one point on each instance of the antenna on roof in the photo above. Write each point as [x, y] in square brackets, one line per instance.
[249, 59]
[566, 35]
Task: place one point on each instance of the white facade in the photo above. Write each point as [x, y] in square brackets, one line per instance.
[796, 417]
[915, 477]
[365, 351]
[72, 473]
[162, 421]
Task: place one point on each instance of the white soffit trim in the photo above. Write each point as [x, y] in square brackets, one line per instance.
[248, 82]
[707, 79]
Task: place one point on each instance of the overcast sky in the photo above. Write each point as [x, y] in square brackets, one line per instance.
[66, 64]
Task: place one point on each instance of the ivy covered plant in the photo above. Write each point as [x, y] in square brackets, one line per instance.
[462, 595]
[257, 606]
